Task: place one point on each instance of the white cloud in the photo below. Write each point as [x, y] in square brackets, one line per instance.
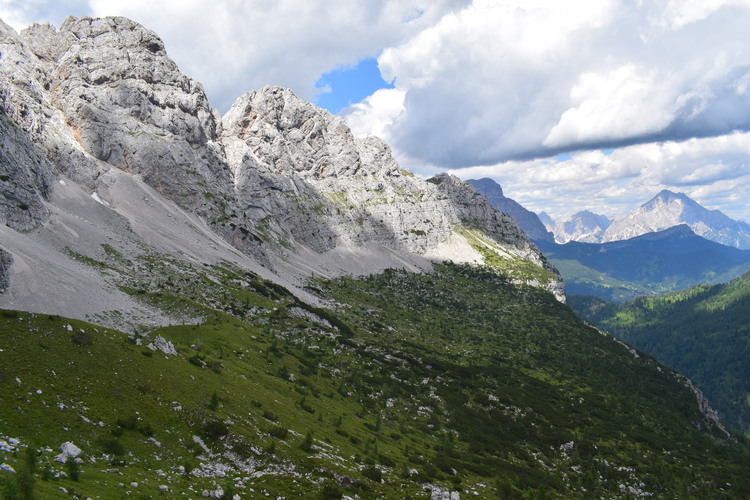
[375, 114]
[617, 105]
[679, 13]
[511, 79]
[234, 46]
[715, 171]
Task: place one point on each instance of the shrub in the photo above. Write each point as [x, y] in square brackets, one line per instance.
[82, 338]
[307, 443]
[113, 446]
[196, 360]
[214, 366]
[213, 405]
[279, 432]
[215, 429]
[72, 468]
[330, 490]
[270, 415]
[130, 422]
[146, 430]
[306, 406]
[373, 474]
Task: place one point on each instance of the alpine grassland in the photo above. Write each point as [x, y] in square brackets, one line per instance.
[396, 384]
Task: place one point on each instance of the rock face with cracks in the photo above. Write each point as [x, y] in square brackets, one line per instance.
[282, 181]
[5, 261]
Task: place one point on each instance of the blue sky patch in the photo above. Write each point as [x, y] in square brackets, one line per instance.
[350, 85]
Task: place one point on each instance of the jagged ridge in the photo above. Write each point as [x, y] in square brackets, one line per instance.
[280, 179]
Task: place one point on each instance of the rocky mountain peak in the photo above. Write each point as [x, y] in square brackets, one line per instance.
[115, 64]
[487, 187]
[668, 209]
[666, 197]
[98, 105]
[590, 219]
[584, 226]
[294, 136]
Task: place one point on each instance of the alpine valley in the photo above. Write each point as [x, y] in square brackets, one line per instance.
[262, 305]
[669, 243]
[703, 332]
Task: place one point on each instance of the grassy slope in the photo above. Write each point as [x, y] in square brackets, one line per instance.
[454, 378]
[704, 332]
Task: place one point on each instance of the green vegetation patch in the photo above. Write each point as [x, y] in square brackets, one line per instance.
[704, 332]
[506, 263]
[455, 378]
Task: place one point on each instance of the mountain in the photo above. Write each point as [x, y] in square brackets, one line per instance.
[658, 262]
[545, 219]
[528, 220]
[108, 143]
[669, 209]
[704, 332]
[584, 226]
[260, 304]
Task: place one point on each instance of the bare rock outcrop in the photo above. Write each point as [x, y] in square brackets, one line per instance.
[298, 162]
[128, 105]
[277, 177]
[25, 178]
[102, 93]
[6, 260]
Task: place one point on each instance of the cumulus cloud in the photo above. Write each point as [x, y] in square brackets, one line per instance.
[662, 87]
[234, 46]
[715, 171]
[375, 114]
[515, 79]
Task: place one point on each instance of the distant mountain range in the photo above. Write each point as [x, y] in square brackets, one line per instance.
[528, 220]
[665, 210]
[668, 209]
[662, 261]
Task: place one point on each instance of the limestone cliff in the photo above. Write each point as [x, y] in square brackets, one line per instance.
[98, 105]
[290, 157]
[5, 262]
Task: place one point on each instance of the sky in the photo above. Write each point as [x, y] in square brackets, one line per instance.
[577, 105]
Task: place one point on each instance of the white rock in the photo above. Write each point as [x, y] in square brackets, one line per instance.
[163, 345]
[69, 450]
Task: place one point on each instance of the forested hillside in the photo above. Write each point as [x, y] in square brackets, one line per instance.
[703, 332]
[660, 262]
